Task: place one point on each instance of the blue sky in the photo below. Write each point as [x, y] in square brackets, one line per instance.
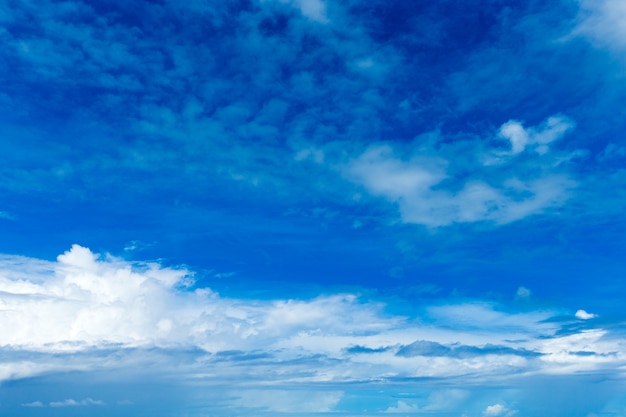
[308, 207]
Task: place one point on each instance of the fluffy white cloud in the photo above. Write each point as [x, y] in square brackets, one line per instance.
[583, 315]
[426, 191]
[83, 301]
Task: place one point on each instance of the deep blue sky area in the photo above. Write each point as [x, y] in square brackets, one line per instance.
[311, 207]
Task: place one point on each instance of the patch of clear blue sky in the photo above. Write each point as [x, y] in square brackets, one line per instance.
[226, 136]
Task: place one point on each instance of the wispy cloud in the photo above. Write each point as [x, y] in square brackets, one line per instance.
[66, 403]
[33, 404]
[602, 22]
[73, 403]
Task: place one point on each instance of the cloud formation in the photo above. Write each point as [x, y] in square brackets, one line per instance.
[497, 410]
[88, 307]
[429, 190]
[539, 138]
[583, 315]
[73, 403]
[602, 21]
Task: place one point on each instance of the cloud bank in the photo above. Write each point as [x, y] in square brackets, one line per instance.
[89, 308]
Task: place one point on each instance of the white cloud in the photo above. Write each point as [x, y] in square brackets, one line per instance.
[73, 403]
[33, 404]
[587, 350]
[426, 191]
[603, 22]
[107, 313]
[498, 410]
[583, 315]
[539, 137]
[402, 407]
[484, 316]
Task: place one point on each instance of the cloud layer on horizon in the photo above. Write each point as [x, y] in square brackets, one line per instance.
[89, 307]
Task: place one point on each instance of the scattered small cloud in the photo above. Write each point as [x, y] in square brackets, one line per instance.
[539, 138]
[67, 403]
[583, 315]
[523, 293]
[498, 410]
[402, 407]
[223, 275]
[136, 245]
[33, 404]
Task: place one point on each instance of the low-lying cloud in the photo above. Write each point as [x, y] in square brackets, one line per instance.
[82, 311]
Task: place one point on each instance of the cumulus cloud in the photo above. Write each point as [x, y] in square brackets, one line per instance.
[427, 189]
[91, 302]
[583, 315]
